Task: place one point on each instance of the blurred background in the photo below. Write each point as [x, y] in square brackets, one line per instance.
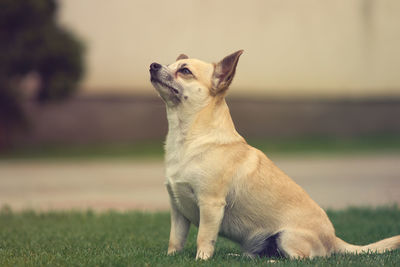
[317, 89]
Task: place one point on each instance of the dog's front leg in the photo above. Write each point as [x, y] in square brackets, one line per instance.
[179, 230]
[211, 214]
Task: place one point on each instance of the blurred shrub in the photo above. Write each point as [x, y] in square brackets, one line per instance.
[31, 41]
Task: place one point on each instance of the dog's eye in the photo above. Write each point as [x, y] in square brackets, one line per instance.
[185, 71]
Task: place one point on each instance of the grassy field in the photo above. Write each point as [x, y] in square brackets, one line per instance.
[140, 239]
[154, 149]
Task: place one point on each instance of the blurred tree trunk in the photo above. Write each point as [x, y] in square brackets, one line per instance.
[12, 117]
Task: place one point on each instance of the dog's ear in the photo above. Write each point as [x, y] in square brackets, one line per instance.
[182, 56]
[224, 72]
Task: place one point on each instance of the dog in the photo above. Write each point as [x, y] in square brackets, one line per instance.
[222, 185]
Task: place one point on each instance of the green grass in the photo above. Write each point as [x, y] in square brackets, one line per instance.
[154, 149]
[140, 239]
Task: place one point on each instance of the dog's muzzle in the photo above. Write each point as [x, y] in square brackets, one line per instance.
[154, 68]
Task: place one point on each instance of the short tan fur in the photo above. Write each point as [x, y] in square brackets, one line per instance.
[224, 186]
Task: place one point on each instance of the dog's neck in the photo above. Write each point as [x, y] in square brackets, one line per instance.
[211, 124]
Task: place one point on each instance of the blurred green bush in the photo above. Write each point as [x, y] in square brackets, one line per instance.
[31, 42]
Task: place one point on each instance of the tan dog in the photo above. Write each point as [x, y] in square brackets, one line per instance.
[223, 185]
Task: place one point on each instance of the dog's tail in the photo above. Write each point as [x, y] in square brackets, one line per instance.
[377, 247]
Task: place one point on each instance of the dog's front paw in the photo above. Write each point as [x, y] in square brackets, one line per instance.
[174, 247]
[171, 251]
[204, 254]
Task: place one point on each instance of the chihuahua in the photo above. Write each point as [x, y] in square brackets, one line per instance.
[224, 186]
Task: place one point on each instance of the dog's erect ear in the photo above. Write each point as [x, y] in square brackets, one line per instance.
[225, 71]
[182, 56]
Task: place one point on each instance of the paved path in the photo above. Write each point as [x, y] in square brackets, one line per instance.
[332, 181]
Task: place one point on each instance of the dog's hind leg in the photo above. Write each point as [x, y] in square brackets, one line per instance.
[298, 244]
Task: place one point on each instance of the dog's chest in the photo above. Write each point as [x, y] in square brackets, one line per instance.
[181, 172]
[184, 198]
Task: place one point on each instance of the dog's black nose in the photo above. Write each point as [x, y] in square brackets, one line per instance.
[155, 67]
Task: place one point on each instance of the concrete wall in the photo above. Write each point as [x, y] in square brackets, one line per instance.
[122, 119]
[344, 48]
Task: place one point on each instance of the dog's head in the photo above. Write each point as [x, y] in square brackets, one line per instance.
[191, 82]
